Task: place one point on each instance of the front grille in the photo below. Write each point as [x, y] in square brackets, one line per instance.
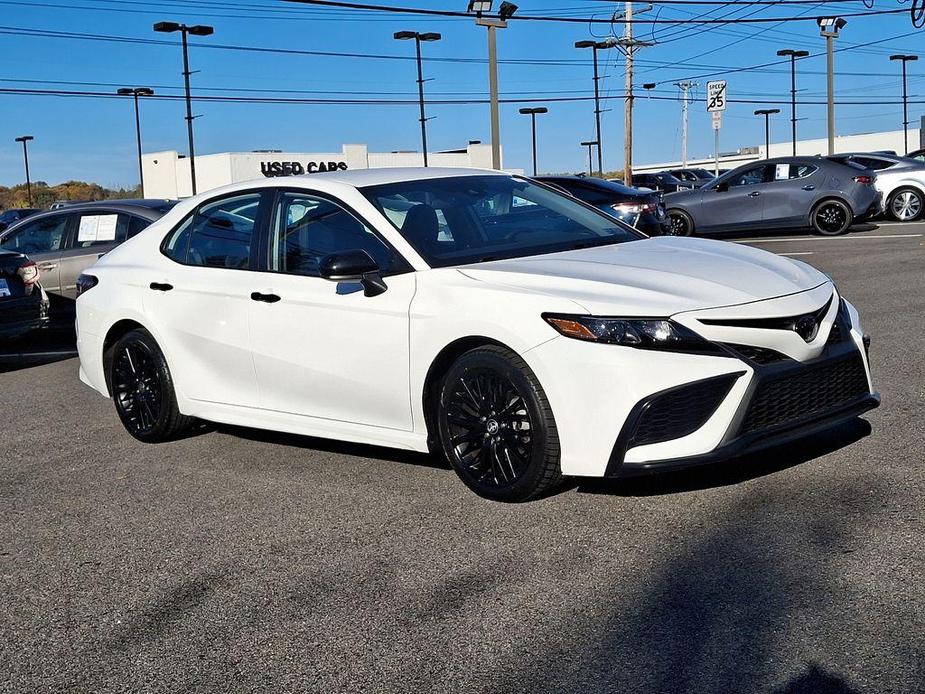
[799, 395]
[758, 355]
[680, 411]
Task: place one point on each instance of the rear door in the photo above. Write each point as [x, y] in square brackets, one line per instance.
[42, 240]
[789, 198]
[93, 233]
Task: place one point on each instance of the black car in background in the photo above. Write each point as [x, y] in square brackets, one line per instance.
[641, 209]
[662, 182]
[693, 177]
[23, 302]
[9, 217]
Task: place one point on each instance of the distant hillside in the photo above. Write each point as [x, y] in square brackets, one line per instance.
[43, 195]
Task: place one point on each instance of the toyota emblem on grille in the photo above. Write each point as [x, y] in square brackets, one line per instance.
[806, 327]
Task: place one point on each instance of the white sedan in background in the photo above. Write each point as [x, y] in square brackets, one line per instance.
[900, 180]
[516, 331]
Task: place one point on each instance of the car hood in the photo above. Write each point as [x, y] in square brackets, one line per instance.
[654, 277]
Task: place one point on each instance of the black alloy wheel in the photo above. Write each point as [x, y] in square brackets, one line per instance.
[831, 218]
[496, 426]
[142, 389]
[680, 224]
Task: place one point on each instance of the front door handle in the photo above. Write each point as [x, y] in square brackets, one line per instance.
[265, 298]
[809, 187]
[45, 267]
[161, 286]
[754, 194]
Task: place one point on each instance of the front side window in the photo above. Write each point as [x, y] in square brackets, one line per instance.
[41, 236]
[752, 176]
[219, 234]
[307, 228]
[874, 163]
[466, 219]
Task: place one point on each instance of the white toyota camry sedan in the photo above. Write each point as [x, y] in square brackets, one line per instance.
[518, 332]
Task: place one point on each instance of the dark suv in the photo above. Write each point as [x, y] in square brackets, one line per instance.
[662, 182]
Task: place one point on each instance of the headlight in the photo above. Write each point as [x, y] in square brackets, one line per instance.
[642, 333]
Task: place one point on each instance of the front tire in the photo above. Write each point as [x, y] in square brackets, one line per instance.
[142, 390]
[906, 204]
[831, 218]
[680, 224]
[496, 426]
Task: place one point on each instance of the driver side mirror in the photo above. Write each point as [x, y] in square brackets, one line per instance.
[354, 265]
[722, 187]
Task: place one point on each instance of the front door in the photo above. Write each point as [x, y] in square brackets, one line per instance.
[321, 348]
[42, 240]
[200, 299]
[739, 205]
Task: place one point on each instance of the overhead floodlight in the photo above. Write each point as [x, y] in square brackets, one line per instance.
[404, 35]
[479, 6]
[166, 27]
[25, 138]
[431, 36]
[507, 10]
[584, 44]
[648, 85]
[201, 30]
[830, 26]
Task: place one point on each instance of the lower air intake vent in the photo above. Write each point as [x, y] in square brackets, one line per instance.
[680, 411]
[789, 398]
[758, 355]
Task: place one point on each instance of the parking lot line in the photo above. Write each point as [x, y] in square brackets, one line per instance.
[832, 238]
[800, 253]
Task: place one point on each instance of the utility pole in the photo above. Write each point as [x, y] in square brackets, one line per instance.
[418, 37]
[596, 46]
[505, 12]
[685, 88]
[767, 113]
[25, 139]
[629, 45]
[532, 112]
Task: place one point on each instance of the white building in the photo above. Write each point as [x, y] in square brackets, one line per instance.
[865, 142]
[167, 174]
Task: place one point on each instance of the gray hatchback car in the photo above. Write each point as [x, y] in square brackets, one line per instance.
[783, 193]
[66, 241]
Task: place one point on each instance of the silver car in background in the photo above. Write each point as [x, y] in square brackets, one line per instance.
[783, 193]
[901, 180]
[65, 242]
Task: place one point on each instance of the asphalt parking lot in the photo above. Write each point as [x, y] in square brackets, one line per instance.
[239, 560]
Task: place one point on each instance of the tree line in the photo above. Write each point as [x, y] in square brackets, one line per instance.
[43, 195]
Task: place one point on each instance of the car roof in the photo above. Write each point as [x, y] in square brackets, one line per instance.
[601, 184]
[152, 210]
[148, 203]
[360, 178]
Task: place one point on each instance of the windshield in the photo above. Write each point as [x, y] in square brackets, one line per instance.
[471, 219]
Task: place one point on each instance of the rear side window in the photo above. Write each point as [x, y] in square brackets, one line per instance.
[98, 228]
[874, 163]
[41, 236]
[785, 172]
[218, 234]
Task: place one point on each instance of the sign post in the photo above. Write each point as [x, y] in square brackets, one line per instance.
[716, 104]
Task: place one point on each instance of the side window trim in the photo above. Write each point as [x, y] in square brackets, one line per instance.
[261, 227]
[264, 262]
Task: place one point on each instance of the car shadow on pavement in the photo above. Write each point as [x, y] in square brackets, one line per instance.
[734, 470]
[360, 450]
[860, 228]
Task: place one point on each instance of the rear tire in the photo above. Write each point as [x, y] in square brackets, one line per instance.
[142, 390]
[496, 426]
[680, 224]
[831, 218]
[906, 204]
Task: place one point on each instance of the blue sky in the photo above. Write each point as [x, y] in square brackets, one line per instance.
[93, 139]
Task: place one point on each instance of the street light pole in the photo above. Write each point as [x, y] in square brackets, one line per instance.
[195, 30]
[767, 113]
[505, 12]
[596, 46]
[589, 144]
[418, 37]
[25, 155]
[793, 55]
[532, 113]
[829, 27]
[905, 59]
[135, 92]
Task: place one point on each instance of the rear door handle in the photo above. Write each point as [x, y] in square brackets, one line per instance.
[161, 286]
[754, 194]
[265, 298]
[809, 187]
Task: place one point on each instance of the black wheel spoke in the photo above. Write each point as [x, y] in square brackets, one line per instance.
[137, 388]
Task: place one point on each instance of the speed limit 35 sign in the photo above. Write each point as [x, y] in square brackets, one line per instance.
[716, 96]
